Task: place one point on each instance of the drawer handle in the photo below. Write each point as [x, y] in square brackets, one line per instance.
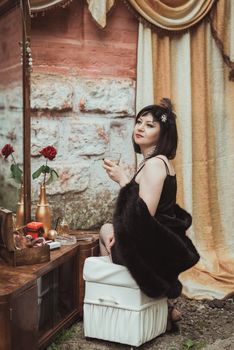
[108, 300]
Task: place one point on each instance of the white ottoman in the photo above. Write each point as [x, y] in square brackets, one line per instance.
[115, 309]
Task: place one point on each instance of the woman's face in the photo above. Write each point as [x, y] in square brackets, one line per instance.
[146, 131]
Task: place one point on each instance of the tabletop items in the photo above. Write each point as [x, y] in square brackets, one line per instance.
[30, 244]
[17, 247]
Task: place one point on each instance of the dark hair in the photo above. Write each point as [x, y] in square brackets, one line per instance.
[168, 138]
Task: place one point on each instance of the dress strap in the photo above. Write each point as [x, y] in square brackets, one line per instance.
[167, 169]
[138, 171]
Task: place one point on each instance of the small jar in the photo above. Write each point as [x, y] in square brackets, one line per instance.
[34, 229]
[63, 227]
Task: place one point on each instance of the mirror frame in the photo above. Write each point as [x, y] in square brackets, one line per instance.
[5, 6]
[26, 26]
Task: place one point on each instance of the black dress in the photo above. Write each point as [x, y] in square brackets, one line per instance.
[155, 249]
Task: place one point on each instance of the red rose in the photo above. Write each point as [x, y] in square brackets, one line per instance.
[49, 152]
[7, 150]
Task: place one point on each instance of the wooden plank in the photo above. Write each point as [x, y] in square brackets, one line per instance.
[6, 229]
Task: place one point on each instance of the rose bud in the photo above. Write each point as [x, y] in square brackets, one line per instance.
[7, 150]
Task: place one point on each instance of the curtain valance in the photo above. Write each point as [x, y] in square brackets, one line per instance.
[44, 5]
[98, 9]
[172, 15]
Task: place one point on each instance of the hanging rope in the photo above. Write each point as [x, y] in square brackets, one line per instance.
[220, 45]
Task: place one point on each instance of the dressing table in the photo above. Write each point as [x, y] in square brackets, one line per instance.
[37, 301]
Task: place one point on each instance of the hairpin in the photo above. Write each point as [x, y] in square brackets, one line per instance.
[163, 118]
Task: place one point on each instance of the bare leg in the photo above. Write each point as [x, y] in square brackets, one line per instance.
[175, 313]
[106, 231]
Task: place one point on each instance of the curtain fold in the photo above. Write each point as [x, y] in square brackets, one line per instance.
[44, 5]
[190, 69]
[144, 68]
[172, 15]
[99, 10]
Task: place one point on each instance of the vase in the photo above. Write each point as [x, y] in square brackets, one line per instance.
[19, 220]
[43, 212]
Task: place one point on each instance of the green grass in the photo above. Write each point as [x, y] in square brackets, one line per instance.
[190, 344]
[62, 336]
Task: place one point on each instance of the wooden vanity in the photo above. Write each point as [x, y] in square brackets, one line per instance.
[37, 301]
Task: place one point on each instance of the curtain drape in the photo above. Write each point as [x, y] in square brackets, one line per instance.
[172, 15]
[44, 5]
[98, 9]
[190, 70]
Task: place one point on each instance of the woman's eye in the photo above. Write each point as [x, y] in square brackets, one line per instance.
[138, 122]
[150, 125]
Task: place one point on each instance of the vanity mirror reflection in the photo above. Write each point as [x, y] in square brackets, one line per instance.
[14, 109]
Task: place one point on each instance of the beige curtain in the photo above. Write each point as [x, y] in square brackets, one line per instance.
[99, 10]
[189, 68]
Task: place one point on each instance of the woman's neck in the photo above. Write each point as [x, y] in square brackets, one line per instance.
[146, 151]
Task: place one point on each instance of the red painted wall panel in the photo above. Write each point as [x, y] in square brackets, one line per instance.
[68, 41]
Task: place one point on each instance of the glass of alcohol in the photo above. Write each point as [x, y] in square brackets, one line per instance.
[112, 156]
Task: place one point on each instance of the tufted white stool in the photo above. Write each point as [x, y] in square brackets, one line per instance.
[115, 309]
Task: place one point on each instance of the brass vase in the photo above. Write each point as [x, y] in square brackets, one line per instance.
[43, 212]
[19, 221]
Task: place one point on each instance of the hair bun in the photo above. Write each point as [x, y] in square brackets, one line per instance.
[166, 103]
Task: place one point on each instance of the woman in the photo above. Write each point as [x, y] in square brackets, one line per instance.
[155, 137]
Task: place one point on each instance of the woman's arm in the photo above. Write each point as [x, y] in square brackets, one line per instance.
[151, 183]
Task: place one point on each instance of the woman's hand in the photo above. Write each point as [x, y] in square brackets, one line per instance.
[115, 172]
[109, 241]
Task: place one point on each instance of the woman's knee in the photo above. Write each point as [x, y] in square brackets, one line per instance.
[106, 230]
[107, 226]
[105, 233]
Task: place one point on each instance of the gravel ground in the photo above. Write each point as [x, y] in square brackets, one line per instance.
[206, 324]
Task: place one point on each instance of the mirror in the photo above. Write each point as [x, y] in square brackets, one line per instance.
[83, 105]
[14, 125]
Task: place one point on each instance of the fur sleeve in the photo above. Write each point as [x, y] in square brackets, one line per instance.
[154, 249]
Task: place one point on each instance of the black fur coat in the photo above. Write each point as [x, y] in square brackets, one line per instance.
[154, 249]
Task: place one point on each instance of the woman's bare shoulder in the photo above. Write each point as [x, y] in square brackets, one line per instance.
[166, 160]
[154, 166]
[156, 162]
